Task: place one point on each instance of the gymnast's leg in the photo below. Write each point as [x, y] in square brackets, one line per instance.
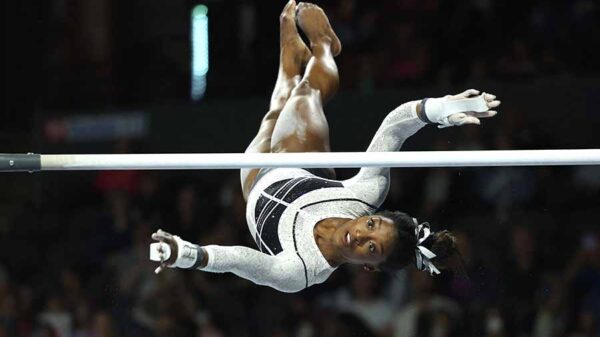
[302, 126]
[293, 57]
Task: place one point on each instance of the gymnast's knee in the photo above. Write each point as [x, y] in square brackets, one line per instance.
[304, 88]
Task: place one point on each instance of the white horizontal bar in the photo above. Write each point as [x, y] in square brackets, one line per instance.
[188, 161]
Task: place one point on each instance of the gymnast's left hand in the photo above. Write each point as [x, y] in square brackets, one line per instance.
[467, 107]
[472, 117]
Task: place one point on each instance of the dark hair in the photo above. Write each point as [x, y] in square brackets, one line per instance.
[442, 244]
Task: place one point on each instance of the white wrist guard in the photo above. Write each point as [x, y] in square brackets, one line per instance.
[189, 255]
[437, 110]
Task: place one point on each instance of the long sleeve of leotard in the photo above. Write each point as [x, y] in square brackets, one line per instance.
[372, 183]
[281, 271]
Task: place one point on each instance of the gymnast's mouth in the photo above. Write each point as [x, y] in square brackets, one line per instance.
[347, 239]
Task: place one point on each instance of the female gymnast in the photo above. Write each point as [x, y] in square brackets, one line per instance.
[306, 223]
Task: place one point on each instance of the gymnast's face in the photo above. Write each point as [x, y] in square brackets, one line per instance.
[367, 240]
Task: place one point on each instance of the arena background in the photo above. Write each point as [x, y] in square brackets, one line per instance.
[108, 76]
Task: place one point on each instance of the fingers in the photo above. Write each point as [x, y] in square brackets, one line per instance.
[493, 104]
[470, 120]
[160, 268]
[485, 114]
[165, 239]
[162, 256]
[491, 101]
[489, 97]
[469, 93]
[462, 119]
[161, 235]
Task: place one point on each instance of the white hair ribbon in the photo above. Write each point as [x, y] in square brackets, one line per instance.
[424, 255]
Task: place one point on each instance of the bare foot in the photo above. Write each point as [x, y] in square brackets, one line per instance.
[294, 52]
[315, 24]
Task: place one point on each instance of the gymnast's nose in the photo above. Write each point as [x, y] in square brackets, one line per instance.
[359, 238]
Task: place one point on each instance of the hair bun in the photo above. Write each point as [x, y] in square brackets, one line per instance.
[444, 246]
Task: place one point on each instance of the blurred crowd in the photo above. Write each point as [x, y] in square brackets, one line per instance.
[77, 264]
[139, 51]
[407, 42]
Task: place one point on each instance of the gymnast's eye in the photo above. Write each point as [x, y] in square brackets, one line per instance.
[370, 224]
[371, 247]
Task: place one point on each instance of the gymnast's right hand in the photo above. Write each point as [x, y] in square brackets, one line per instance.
[465, 108]
[173, 252]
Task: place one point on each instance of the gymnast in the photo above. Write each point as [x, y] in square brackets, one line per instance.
[304, 221]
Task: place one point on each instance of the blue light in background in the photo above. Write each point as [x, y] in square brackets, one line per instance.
[199, 51]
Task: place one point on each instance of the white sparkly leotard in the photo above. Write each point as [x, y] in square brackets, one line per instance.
[285, 205]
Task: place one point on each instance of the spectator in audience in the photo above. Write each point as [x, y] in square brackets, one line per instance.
[521, 278]
[56, 316]
[364, 300]
[425, 305]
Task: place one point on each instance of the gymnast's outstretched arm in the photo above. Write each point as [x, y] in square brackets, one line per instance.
[372, 183]
[281, 271]
[284, 272]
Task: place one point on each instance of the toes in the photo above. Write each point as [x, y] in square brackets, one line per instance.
[291, 7]
[306, 5]
[289, 10]
[299, 7]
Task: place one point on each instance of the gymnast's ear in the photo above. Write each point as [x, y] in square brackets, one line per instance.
[370, 268]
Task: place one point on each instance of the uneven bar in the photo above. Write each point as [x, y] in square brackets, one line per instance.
[29, 162]
[207, 161]
[322, 159]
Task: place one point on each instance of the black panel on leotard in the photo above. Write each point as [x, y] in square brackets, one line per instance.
[305, 185]
[269, 208]
[268, 231]
[263, 201]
